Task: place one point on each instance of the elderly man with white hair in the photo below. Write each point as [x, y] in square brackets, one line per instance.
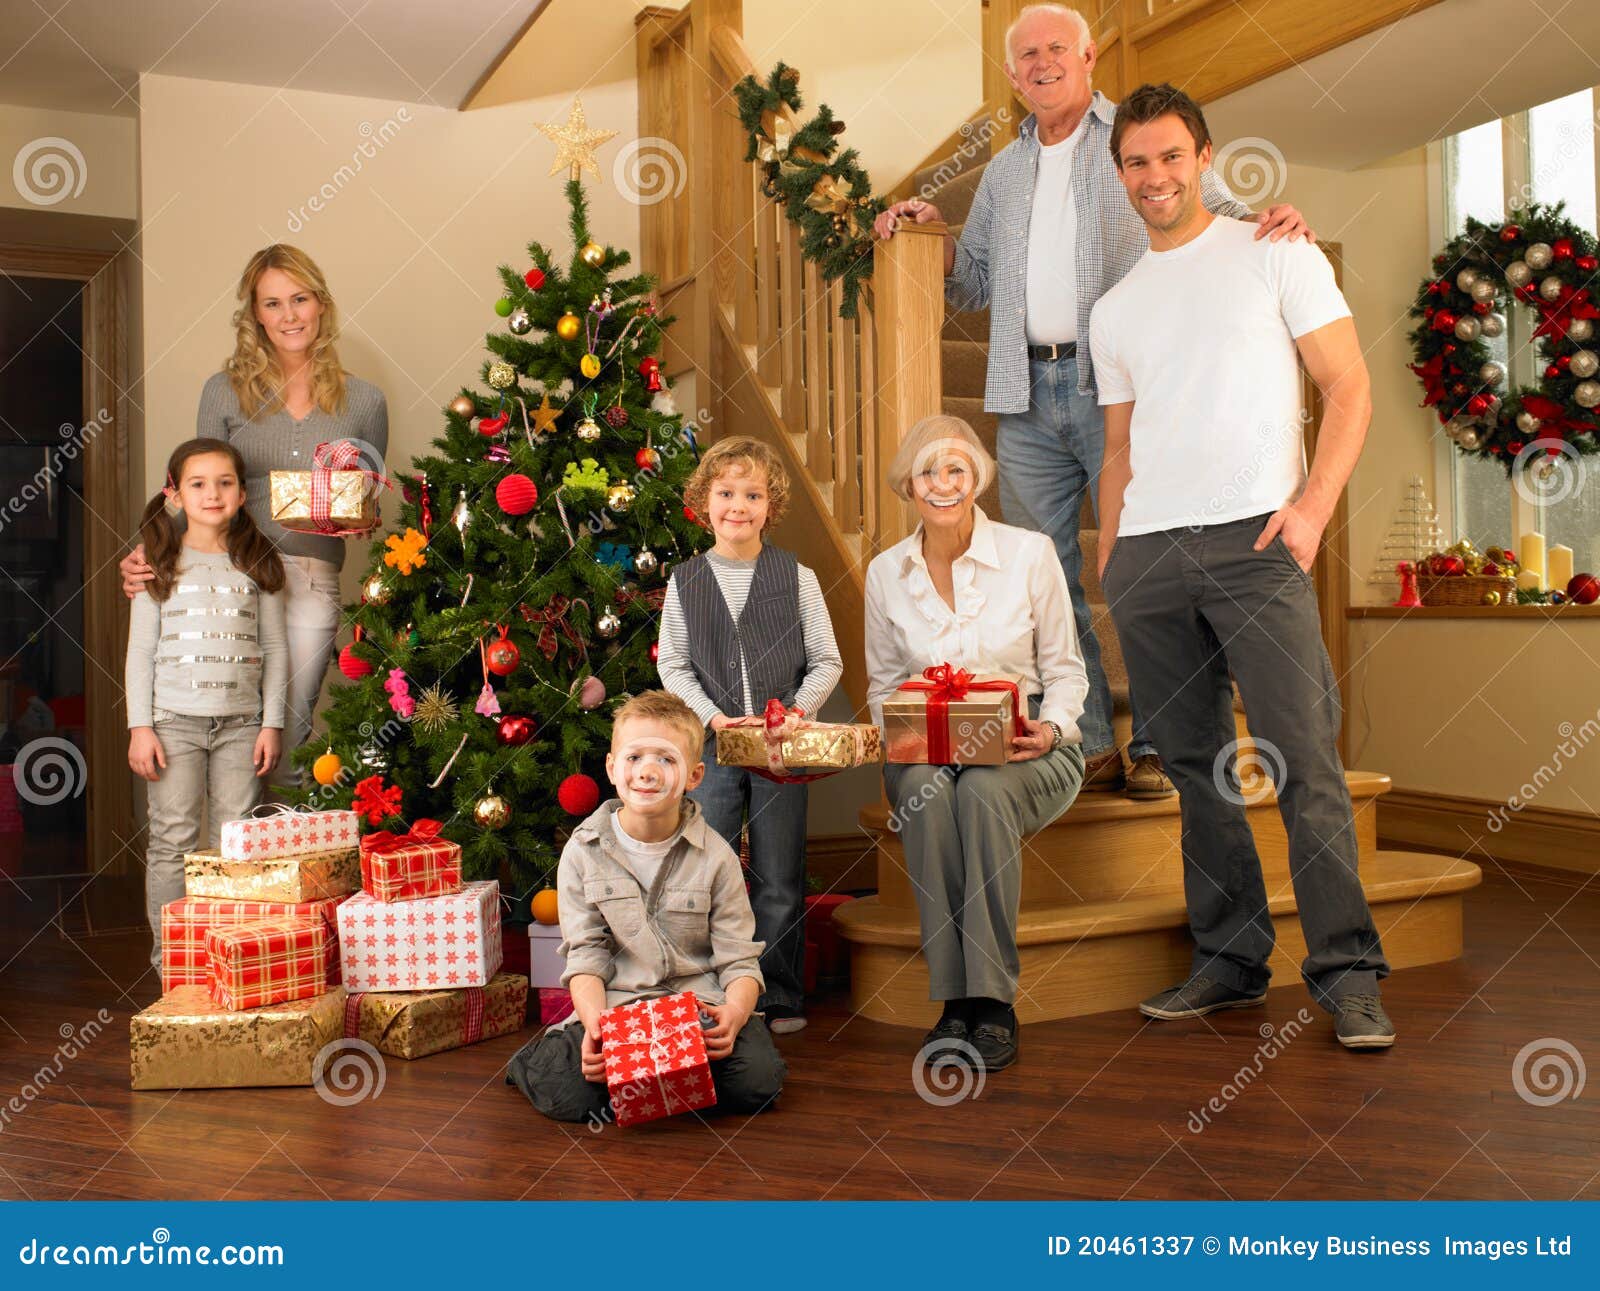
[1050, 231]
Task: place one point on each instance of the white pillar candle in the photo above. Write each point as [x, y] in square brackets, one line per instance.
[1558, 567]
[1531, 555]
[1527, 580]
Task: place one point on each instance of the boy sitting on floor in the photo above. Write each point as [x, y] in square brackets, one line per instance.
[652, 903]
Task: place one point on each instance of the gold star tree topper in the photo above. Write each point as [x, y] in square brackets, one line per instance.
[575, 142]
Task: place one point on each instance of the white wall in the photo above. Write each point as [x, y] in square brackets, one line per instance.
[72, 163]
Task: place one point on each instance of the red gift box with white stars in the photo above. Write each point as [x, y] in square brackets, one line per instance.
[431, 944]
[186, 921]
[656, 1062]
[289, 833]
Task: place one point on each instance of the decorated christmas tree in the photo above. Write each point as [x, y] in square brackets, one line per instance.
[515, 602]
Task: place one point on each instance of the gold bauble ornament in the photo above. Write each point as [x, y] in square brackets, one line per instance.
[568, 326]
[619, 497]
[588, 430]
[463, 407]
[592, 254]
[1491, 598]
[375, 590]
[502, 376]
[491, 812]
[589, 365]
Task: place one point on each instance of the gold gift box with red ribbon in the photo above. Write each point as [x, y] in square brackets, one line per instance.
[352, 501]
[812, 746]
[413, 1024]
[952, 717]
[411, 866]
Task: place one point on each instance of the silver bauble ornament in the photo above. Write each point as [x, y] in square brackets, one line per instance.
[1584, 363]
[1580, 329]
[1491, 374]
[519, 322]
[1454, 427]
[375, 591]
[1587, 394]
[608, 624]
[645, 562]
[1550, 288]
[1469, 438]
[1518, 274]
[1483, 290]
[461, 515]
[1494, 324]
[372, 757]
[1527, 423]
[1466, 278]
[588, 430]
[1539, 256]
[1467, 328]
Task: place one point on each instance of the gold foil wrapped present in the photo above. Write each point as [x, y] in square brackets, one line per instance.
[413, 1024]
[184, 1041]
[313, 877]
[944, 720]
[351, 502]
[815, 747]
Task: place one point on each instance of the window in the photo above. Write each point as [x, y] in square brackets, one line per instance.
[1546, 154]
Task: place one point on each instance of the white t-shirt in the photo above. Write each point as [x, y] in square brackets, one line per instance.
[1202, 341]
[1052, 287]
[645, 858]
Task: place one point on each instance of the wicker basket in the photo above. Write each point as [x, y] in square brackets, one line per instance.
[1466, 589]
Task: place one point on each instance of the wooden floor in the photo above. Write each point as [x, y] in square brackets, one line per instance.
[1098, 1107]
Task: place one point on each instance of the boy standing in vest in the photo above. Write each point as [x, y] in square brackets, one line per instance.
[742, 624]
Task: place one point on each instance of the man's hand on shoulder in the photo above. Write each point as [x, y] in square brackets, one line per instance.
[1283, 221]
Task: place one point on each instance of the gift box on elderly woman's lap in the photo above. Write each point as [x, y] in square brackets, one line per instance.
[812, 746]
[413, 1024]
[185, 922]
[950, 717]
[656, 1061]
[407, 867]
[435, 943]
[186, 1041]
[289, 833]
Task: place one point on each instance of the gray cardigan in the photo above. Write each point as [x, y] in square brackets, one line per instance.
[277, 442]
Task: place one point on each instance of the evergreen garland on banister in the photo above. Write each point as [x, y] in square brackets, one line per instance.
[823, 190]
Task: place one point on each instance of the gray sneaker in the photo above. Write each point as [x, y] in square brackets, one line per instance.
[1197, 997]
[1361, 1023]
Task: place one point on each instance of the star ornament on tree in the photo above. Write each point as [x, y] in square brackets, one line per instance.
[575, 142]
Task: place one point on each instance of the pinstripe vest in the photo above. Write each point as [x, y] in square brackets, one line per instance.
[768, 632]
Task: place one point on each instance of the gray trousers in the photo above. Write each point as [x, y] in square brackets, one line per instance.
[549, 1071]
[962, 829]
[1191, 605]
[209, 771]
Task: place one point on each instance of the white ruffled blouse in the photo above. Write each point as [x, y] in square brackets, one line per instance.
[1012, 615]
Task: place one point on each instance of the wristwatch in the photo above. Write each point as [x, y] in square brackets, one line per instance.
[1061, 737]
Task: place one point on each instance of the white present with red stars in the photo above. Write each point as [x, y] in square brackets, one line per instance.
[656, 1061]
[289, 833]
[430, 944]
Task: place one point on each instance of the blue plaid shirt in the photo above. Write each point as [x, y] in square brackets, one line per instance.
[991, 266]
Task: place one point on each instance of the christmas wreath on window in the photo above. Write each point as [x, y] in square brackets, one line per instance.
[1543, 260]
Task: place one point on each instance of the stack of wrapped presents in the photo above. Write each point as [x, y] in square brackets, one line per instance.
[297, 932]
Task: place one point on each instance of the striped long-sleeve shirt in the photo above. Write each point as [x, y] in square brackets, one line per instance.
[824, 666]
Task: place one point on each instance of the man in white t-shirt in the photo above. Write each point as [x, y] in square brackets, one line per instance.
[1209, 522]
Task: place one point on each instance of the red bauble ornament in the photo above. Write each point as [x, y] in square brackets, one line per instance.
[1584, 589]
[1478, 405]
[1563, 361]
[647, 459]
[578, 795]
[1561, 248]
[352, 665]
[1449, 566]
[1587, 263]
[690, 516]
[534, 278]
[1552, 372]
[1436, 288]
[1480, 307]
[491, 426]
[1514, 447]
[616, 416]
[655, 652]
[516, 494]
[1445, 321]
[502, 656]
[1510, 233]
[513, 729]
[1449, 347]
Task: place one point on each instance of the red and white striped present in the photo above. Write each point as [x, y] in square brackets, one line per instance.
[406, 867]
[656, 1061]
[185, 923]
[434, 943]
[286, 832]
[252, 965]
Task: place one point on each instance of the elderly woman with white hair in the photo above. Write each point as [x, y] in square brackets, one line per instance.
[989, 598]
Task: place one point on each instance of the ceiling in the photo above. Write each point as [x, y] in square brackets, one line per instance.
[87, 55]
[1443, 69]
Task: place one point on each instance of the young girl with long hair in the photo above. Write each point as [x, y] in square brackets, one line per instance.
[208, 663]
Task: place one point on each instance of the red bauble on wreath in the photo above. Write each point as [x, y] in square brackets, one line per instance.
[578, 795]
[501, 657]
[516, 494]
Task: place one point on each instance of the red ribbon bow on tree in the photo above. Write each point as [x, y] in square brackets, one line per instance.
[376, 802]
[551, 620]
[652, 600]
[943, 683]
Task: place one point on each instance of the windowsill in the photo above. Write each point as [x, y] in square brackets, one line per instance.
[1520, 612]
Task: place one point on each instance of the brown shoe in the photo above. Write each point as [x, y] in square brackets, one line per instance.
[1147, 778]
[1103, 774]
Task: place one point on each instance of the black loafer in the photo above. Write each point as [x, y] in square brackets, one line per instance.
[995, 1044]
[948, 1042]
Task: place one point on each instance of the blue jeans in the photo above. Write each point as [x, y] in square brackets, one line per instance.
[777, 820]
[1048, 456]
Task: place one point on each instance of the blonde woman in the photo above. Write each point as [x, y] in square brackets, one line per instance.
[280, 394]
[989, 598]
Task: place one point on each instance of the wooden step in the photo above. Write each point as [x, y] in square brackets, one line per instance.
[1110, 954]
[967, 327]
[1107, 848]
[963, 367]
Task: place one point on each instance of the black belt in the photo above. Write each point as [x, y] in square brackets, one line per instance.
[1050, 353]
